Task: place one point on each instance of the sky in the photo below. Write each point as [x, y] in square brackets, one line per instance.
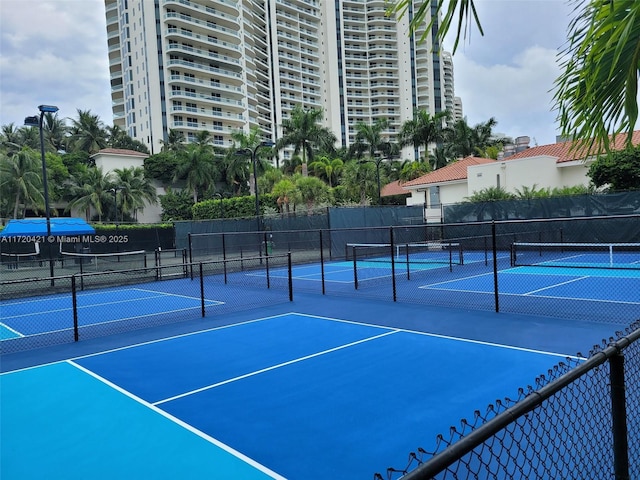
[55, 52]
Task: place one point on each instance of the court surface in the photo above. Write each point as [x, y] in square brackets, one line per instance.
[299, 396]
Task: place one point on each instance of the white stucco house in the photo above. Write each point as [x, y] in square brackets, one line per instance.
[110, 159]
[546, 166]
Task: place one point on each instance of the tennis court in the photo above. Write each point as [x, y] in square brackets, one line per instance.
[52, 313]
[299, 396]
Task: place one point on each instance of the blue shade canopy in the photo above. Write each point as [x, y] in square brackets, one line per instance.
[38, 226]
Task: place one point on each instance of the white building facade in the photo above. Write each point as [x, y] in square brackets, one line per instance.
[226, 66]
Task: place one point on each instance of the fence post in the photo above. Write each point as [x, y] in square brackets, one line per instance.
[494, 247]
[190, 255]
[619, 417]
[74, 302]
[322, 262]
[290, 277]
[201, 290]
[355, 268]
[393, 263]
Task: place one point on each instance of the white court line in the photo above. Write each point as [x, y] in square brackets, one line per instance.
[4, 325]
[273, 367]
[184, 425]
[66, 309]
[555, 285]
[123, 319]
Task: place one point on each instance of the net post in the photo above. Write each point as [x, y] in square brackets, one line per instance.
[202, 291]
[224, 248]
[185, 269]
[158, 262]
[393, 264]
[266, 260]
[321, 262]
[407, 255]
[290, 276]
[486, 252]
[450, 257]
[619, 417]
[190, 254]
[495, 264]
[74, 302]
[355, 268]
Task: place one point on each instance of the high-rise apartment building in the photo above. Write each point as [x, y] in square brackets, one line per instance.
[226, 65]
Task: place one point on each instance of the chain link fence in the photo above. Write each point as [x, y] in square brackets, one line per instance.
[579, 421]
[38, 312]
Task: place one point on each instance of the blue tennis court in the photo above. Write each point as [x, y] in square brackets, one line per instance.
[53, 312]
[293, 395]
[606, 285]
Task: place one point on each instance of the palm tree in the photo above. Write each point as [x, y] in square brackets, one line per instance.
[596, 94]
[302, 131]
[312, 191]
[463, 140]
[21, 177]
[10, 139]
[175, 141]
[369, 139]
[412, 170]
[55, 132]
[286, 194]
[361, 178]
[423, 130]
[88, 133]
[196, 168]
[132, 190]
[90, 189]
[327, 167]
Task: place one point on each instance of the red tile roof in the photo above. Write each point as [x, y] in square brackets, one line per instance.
[562, 151]
[393, 188]
[454, 171]
[122, 151]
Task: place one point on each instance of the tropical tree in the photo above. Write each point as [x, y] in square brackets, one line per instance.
[286, 194]
[327, 168]
[54, 131]
[528, 193]
[596, 93]
[312, 191]
[196, 167]
[174, 142]
[369, 140]
[132, 190]
[412, 170]
[10, 139]
[619, 170]
[360, 178]
[91, 190]
[423, 130]
[302, 131]
[118, 138]
[462, 140]
[87, 132]
[21, 179]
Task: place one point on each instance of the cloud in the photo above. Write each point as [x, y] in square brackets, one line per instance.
[517, 94]
[53, 52]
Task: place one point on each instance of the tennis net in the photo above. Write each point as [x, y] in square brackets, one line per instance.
[445, 253]
[576, 255]
[104, 262]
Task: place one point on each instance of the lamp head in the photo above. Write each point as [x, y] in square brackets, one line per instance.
[32, 122]
[48, 108]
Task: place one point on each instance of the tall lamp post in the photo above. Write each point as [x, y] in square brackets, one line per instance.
[36, 121]
[248, 151]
